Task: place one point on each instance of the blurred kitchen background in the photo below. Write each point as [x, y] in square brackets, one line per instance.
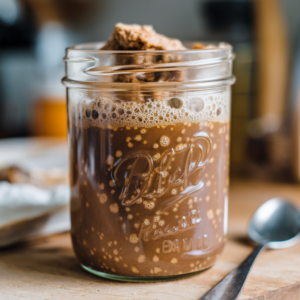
[266, 38]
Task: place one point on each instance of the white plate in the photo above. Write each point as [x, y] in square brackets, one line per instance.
[29, 220]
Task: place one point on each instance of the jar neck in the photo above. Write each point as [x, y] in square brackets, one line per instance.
[135, 70]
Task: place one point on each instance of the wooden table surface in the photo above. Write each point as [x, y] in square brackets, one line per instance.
[47, 268]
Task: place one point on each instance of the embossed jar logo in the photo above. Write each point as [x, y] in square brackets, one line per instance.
[167, 179]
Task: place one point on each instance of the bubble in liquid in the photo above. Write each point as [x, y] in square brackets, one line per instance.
[210, 214]
[149, 204]
[119, 153]
[133, 238]
[141, 258]
[110, 107]
[135, 270]
[161, 223]
[174, 192]
[103, 198]
[219, 111]
[138, 137]
[88, 113]
[121, 111]
[110, 160]
[195, 105]
[95, 114]
[164, 141]
[155, 258]
[175, 103]
[174, 260]
[114, 208]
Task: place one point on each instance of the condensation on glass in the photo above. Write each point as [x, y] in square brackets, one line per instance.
[149, 146]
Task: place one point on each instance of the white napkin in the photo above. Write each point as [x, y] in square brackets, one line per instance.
[38, 211]
[27, 211]
[19, 201]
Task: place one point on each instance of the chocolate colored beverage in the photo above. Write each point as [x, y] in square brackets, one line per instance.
[149, 184]
[148, 127]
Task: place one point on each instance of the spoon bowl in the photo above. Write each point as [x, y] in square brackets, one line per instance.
[276, 224]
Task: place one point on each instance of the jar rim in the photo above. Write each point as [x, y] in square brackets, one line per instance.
[95, 48]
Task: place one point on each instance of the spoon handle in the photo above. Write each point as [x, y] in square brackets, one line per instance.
[230, 287]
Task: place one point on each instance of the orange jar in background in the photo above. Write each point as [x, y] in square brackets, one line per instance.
[48, 117]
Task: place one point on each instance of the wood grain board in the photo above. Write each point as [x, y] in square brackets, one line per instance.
[47, 268]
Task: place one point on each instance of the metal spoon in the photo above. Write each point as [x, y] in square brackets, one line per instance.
[275, 225]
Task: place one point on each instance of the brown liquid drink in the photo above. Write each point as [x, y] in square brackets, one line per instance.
[148, 121]
[149, 182]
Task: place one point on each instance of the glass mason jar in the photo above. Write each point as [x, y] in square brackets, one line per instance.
[149, 159]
